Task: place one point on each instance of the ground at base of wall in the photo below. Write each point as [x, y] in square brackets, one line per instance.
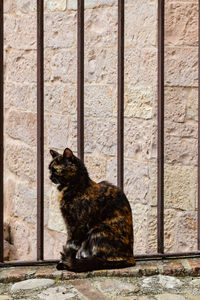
[158, 280]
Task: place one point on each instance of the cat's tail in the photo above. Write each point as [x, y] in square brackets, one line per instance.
[94, 263]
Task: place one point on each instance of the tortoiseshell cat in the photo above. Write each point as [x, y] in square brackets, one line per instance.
[97, 216]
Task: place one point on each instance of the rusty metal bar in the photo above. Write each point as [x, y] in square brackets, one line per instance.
[80, 80]
[198, 217]
[40, 129]
[167, 255]
[120, 119]
[137, 257]
[1, 132]
[160, 183]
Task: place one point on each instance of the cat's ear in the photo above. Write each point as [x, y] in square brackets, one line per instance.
[68, 154]
[54, 153]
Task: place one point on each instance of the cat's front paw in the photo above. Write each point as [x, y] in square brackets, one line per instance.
[61, 266]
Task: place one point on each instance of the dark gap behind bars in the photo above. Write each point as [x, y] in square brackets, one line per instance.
[80, 126]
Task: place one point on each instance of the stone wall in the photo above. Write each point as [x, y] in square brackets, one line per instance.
[101, 114]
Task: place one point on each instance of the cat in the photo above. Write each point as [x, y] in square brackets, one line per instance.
[98, 218]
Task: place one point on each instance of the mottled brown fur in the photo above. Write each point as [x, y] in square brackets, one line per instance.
[97, 216]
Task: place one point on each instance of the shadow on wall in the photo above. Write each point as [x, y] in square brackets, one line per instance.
[10, 252]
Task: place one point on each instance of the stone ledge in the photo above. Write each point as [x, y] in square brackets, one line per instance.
[172, 267]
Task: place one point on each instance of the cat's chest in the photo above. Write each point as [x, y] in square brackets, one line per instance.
[80, 207]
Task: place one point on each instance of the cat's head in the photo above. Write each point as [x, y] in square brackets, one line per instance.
[66, 168]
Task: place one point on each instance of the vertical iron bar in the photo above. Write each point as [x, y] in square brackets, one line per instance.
[198, 238]
[1, 131]
[160, 183]
[120, 122]
[80, 80]
[40, 129]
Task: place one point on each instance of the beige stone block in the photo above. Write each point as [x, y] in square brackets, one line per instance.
[154, 137]
[151, 230]
[71, 4]
[58, 131]
[20, 32]
[72, 141]
[21, 161]
[60, 29]
[181, 150]
[60, 241]
[26, 6]
[54, 94]
[138, 135]
[180, 187]
[96, 166]
[20, 96]
[99, 100]
[22, 126]
[192, 104]
[187, 231]
[55, 221]
[170, 232]
[136, 180]
[23, 66]
[101, 66]
[49, 244]
[141, 66]
[182, 24]
[140, 213]
[101, 27]
[62, 132]
[58, 5]
[70, 100]
[138, 1]
[141, 24]
[105, 134]
[6, 232]
[9, 6]
[181, 66]
[170, 217]
[53, 243]
[106, 2]
[48, 55]
[9, 191]
[24, 202]
[63, 65]
[153, 183]
[138, 102]
[27, 249]
[181, 130]
[194, 1]
[9, 253]
[175, 103]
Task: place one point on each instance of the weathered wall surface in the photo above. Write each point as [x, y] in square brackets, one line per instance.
[100, 114]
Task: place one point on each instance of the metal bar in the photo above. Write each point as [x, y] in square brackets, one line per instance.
[40, 129]
[80, 80]
[160, 183]
[198, 237]
[1, 132]
[27, 263]
[167, 255]
[120, 120]
[137, 257]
